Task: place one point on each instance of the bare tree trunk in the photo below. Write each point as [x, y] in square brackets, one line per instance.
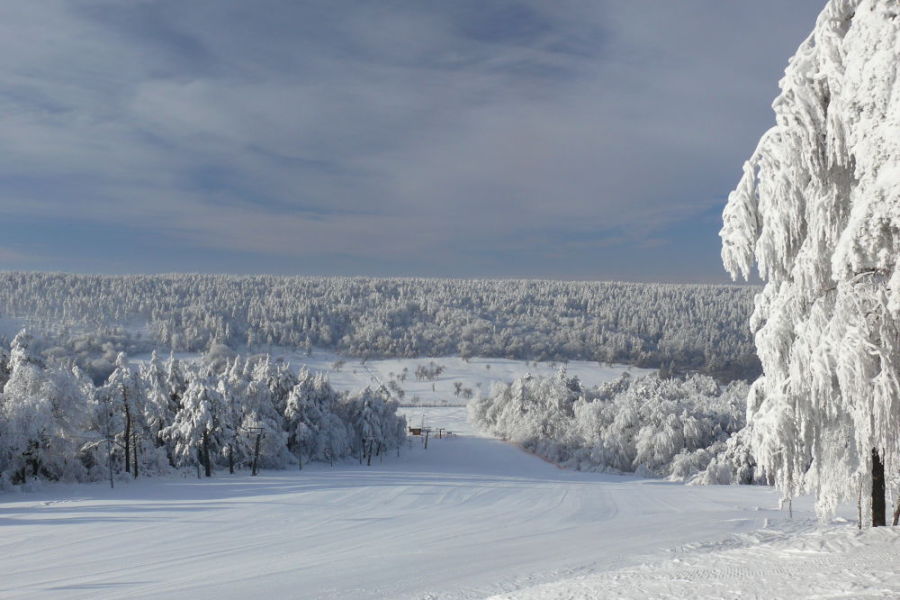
[231, 458]
[127, 432]
[134, 444]
[878, 509]
[206, 458]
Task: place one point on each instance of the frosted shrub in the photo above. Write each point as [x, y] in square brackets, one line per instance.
[668, 428]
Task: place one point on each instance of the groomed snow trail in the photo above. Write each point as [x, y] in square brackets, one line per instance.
[468, 518]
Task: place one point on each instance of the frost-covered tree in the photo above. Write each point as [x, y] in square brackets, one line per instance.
[159, 409]
[42, 421]
[662, 427]
[124, 390]
[678, 327]
[306, 417]
[373, 423]
[194, 434]
[261, 417]
[176, 382]
[818, 211]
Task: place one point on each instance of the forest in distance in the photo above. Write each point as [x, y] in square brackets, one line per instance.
[677, 328]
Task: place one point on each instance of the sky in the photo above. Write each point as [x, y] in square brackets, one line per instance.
[572, 139]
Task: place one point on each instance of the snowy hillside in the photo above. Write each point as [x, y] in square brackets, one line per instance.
[467, 518]
[674, 327]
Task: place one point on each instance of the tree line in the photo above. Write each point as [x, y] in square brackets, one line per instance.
[161, 415]
[677, 328]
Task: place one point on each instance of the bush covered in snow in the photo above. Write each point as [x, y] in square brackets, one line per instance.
[683, 429]
[55, 424]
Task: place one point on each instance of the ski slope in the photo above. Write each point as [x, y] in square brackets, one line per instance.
[467, 518]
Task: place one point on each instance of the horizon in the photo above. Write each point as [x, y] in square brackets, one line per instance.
[729, 283]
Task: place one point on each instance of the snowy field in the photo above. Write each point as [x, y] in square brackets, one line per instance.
[476, 374]
[469, 517]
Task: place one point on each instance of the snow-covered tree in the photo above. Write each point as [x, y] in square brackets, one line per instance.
[261, 417]
[373, 423]
[818, 211]
[124, 390]
[663, 427]
[194, 434]
[305, 416]
[41, 424]
[159, 409]
[176, 382]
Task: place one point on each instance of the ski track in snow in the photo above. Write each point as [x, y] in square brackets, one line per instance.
[470, 517]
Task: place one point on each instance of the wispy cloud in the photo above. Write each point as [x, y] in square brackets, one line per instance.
[384, 130]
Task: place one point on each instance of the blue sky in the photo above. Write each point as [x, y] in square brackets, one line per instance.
[588, 139]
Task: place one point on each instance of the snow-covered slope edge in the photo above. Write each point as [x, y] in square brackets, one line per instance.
[834, 562]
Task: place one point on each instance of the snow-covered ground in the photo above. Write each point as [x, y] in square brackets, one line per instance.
[834, 562]
[476, 374]
[469, 517]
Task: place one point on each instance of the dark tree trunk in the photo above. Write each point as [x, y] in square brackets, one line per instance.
[206, 458]
[134, 444]
[878, 512]
[127, 432]
[300, 456]
[231, 458]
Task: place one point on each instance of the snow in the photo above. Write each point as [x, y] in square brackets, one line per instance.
[769, 564]
[477, 374]
[467, 518]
